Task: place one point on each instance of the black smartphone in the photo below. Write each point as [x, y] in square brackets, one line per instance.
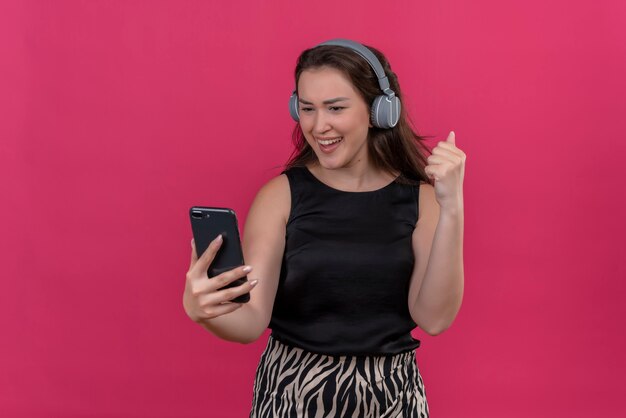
[206, 224]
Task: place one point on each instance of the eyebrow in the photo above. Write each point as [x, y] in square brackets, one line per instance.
[329, 101]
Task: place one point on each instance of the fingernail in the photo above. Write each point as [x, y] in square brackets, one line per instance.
[253, 283]
[247, 269]
[192, 242]
[218, 238]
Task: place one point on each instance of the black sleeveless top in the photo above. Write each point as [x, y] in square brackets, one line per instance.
[346, 269]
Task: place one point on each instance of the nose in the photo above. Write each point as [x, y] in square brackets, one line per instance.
[320, 123]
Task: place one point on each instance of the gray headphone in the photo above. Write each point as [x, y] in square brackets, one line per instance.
[385, 108]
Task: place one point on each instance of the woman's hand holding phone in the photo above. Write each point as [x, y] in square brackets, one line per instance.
[203, 299]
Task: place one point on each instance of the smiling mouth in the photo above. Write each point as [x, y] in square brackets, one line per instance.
[330, 141]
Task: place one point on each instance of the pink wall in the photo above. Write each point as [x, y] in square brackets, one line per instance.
[117, 116]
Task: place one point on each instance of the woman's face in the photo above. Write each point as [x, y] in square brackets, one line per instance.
[333, 117]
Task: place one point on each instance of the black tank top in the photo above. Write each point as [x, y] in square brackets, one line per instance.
[346, 269]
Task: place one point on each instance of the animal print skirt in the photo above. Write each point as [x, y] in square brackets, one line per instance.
[292, 382]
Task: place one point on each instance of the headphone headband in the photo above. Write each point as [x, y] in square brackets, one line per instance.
[369, 56]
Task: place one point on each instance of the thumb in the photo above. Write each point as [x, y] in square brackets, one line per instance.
[451, 138]
[194, 255]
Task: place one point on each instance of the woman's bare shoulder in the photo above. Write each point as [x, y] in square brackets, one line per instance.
[276, 187]
[274, 197]
[427, 199]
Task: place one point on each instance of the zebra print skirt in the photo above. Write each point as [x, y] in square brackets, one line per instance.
[292, 382]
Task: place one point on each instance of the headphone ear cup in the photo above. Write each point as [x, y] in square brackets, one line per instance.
[293, 107]
[385, 111]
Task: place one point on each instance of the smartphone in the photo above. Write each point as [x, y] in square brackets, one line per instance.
[206, 224]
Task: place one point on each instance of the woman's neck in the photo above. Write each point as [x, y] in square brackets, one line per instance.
[357, 178]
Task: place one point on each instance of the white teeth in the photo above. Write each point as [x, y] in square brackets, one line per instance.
[329, 141]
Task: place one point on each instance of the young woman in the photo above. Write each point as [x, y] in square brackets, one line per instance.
[356, 243]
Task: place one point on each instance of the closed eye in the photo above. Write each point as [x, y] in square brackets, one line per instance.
[333, 108]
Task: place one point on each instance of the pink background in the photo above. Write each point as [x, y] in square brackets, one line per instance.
[117, 116]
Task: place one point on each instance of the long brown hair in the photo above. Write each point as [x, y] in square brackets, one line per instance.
[398, 149]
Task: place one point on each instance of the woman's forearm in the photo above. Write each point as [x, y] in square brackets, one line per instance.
[244, 325]
[441, 292]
